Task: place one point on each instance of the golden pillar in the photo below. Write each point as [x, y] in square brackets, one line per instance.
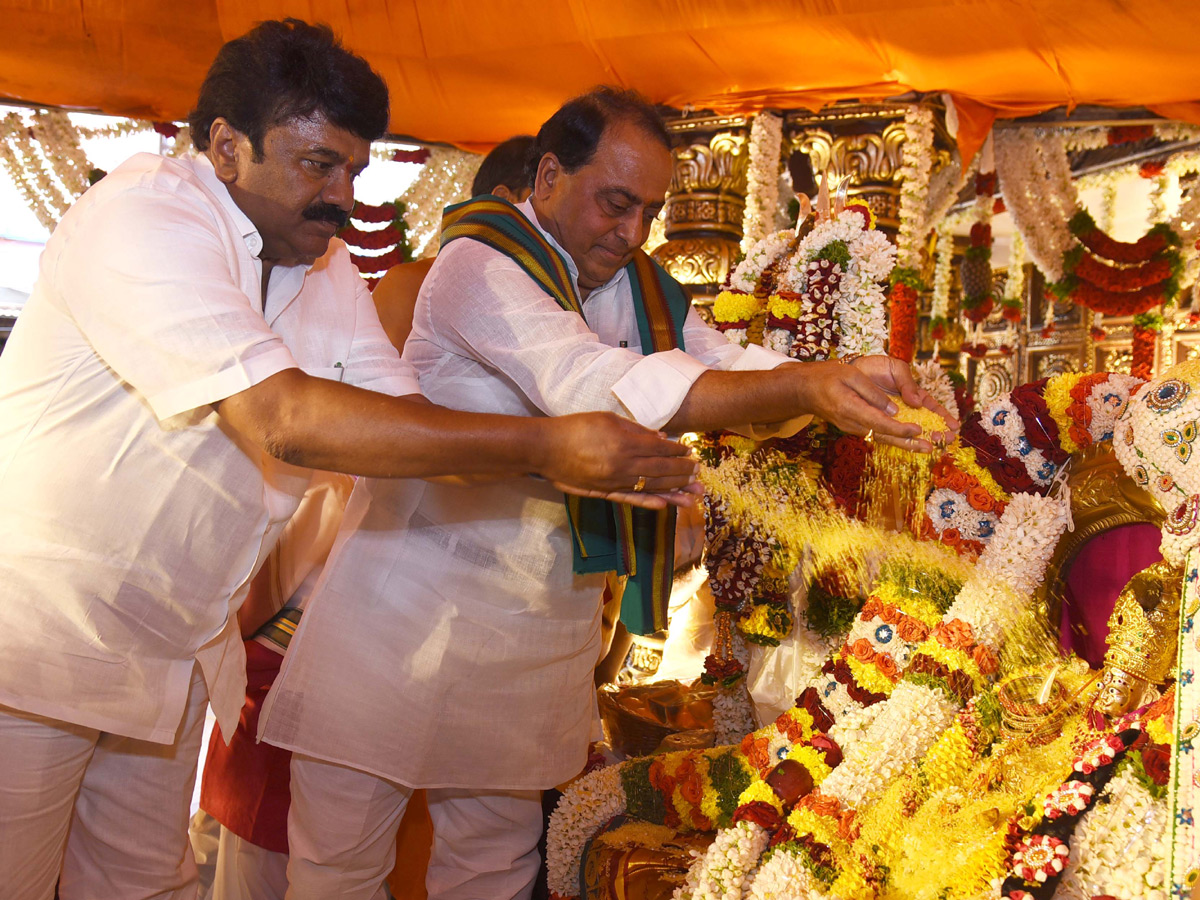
[705, 204]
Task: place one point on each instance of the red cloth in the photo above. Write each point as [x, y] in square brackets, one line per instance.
[1096, 577]
[247, 785]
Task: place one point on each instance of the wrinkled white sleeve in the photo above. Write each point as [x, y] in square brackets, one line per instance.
[483, 306]
[654, 389]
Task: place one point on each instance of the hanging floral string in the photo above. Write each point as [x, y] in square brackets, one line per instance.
[45, 161]
[762, 179]
[446, 179]
[975, 271]
[391, 239]
[1146, 327]
[916, 166]
[942, 275]
[1014, 284]
[1117, 278]
[902, 319]
[1036, 194]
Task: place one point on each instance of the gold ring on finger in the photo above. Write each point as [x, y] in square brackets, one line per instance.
[869, 437]
[640, 484]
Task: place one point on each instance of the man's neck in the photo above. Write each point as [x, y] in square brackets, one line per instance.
[550, 226]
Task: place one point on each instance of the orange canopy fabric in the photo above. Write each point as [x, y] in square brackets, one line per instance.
[473, 72]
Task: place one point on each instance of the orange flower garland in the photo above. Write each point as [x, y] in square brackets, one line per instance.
[1145, 341]
[1117, 278]
[902, 336]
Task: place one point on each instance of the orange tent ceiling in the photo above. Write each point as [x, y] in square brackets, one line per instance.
[473, 72]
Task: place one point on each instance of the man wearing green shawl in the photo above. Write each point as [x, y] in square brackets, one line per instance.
[451, 643]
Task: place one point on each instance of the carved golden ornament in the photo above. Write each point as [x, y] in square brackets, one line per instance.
[699, 261]
[1058, 364]
[994, 381]
[866, 158]
[1102, 497]
[718, 166]
[1141, 629]
[705, 212]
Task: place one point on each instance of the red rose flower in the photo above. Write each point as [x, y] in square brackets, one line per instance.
[826, 744]
[760, 813]
[1156, 759]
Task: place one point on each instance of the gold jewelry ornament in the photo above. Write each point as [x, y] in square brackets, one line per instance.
[869, 437]
[640, 484]
[1141, 638]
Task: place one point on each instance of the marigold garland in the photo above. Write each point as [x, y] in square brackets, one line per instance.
[1149, 245]
[902, 335]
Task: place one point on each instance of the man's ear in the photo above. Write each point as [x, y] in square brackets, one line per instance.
[226, 146]
[504, 193]
[549, 171]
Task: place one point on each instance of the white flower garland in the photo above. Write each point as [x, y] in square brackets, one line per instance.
[784, 876]
[942, 271]
[1035, 181]
[1014, 284]
[764, 252]
[1187, 223]
[762, 179]
[1158, 203]
[914, 717]
[722, 871]
[860, 308]
[59, 142]
[1120, 845]
[732, 716]
[43, 157]
[445, 180]
[930, 376]
[915, 169]
[581, 812]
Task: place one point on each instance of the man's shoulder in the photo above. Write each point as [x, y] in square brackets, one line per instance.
[151, 172]
[147, 185]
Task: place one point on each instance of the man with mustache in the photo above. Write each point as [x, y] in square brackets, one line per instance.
[451, 642]
[196, 345]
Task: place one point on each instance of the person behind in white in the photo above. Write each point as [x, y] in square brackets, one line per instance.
[448, 644]
[194, 345]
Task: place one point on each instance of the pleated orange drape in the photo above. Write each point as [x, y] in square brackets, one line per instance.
[472, 72]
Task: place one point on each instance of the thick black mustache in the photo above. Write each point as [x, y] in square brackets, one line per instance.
[327, 212]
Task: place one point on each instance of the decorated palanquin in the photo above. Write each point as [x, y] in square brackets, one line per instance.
[943, 744]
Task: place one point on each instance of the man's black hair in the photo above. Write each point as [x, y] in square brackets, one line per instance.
[573, 133]
[284, 70]
[506, 165]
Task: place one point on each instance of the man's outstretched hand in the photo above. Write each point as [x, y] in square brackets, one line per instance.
[858, 399]
[603, 455]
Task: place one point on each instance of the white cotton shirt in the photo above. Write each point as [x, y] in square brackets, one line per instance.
[448, 643]
[131, 516]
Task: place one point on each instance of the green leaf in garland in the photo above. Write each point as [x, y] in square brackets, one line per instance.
[642, 800]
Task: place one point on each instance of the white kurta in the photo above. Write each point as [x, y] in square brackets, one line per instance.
[131, 517]
[448, 643]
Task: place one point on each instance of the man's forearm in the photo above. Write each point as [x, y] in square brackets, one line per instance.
[720, 400]
[324, 424]
[842, 395]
